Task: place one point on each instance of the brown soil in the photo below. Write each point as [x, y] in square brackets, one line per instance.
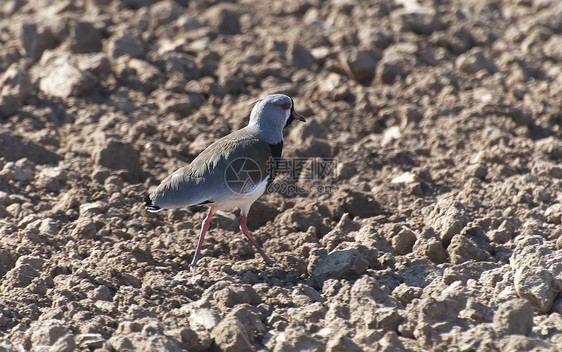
[425, 213]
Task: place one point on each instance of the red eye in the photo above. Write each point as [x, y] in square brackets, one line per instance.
[285, 106]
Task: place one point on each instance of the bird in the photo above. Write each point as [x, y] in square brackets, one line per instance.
[232, 172]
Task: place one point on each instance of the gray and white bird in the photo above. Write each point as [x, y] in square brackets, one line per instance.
[234, 171]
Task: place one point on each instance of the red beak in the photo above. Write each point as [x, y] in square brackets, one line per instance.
[298, 116]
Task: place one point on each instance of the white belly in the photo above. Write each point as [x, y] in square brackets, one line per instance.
[243, 201]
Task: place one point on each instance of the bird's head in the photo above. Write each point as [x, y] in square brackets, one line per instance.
[274, 112]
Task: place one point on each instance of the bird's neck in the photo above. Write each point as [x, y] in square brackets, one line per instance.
[270, 133]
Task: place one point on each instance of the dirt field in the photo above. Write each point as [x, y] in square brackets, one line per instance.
[420, 209]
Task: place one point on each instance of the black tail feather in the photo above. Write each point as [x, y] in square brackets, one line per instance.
[148, 204]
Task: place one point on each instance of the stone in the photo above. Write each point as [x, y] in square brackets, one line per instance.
[34, 40]
[95, 63]
[447, 219]
[15, 88]
[125, 44]
[420, 20]
[342, 343]
[21, 275]
[429, 246]
[52, 179]
[514, 317]
[470, 244]
[223, 19]
[90, 340]
[203, 318]
[295, 339]
[474, 61]
[47, 334]
[120, 343]
[403, 241]
[537, 285]
[160, 343]
[84, 228]
[406, 294]
[64, 79]
[300, 57]
[339, 264]
[230, 336]
[84, 37]
[360, 65]
[117, 155]
[164, 12]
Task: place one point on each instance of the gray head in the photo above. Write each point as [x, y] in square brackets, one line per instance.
[271, 114]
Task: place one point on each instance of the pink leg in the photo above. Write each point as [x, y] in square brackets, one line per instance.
[204, 228]
[244, 229]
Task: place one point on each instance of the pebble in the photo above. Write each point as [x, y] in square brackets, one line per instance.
[339, 264]
[15, 88]
[514, 317]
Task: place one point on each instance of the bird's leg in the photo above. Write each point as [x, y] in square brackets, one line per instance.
[204, 228]
[244, 229]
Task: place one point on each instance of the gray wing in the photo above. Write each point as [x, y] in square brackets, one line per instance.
[230, 166]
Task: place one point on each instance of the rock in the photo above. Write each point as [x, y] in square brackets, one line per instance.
[447, 219]
[203, 318]
[474, 61]
[553, 48]
[120, 343]
[35, 262]
[223, 19]
[403, 241]
[145, 71]
[22, 171]
[64, 79]
[360, 65]
[34, 40]
[95, 63]
[84, 228]
[48, 333]
[415, 19]
[388, 71]
[230, 335]
[164, 12]
[84, 37]
[537, 285]
[21, 275]
[295, 339]
[125, 44]
[356, 203]
[196, 340]
[538, 266]
[371, 307]
[342, 343]
[514, 317]
[173, 103]
[300, 57]
[52, 179]
[160, 343]
[428, 245]
[553, 214]
[235, 294]
[117, 155]
[339, 264]
[406, 294]
[90, 341]
[101, 293]
[477, 170]
[49, 227]
[470, 244]
[15, 89]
